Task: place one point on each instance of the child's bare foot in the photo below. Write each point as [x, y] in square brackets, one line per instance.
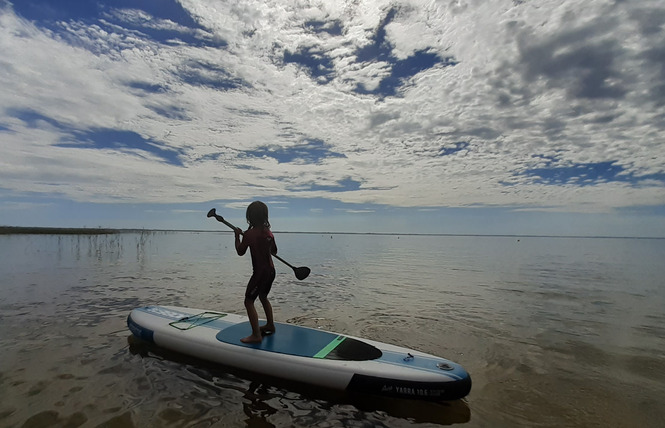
[267, 329]
[251, 339]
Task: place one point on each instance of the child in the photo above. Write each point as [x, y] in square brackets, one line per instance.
[261, 243]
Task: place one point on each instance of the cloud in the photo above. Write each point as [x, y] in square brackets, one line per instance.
[408, 104]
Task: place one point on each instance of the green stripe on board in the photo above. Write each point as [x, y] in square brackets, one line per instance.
[329, 347]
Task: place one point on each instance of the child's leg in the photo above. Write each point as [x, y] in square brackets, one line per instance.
[267, 307]
[255, 337]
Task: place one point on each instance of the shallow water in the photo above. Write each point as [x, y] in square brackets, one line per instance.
[554, 331]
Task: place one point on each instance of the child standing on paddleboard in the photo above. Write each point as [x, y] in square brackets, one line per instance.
[261, 243]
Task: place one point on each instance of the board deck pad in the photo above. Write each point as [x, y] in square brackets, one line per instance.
[304, 342]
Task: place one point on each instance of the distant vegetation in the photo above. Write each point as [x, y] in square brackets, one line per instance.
[9, 230]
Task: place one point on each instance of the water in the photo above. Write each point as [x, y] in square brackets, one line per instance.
[554, 331]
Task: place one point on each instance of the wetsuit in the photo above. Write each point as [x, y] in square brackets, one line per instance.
[261, 244]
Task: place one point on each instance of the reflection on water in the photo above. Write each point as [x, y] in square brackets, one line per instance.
[555, 332]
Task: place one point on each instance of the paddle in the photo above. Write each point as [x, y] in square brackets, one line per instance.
[300, 272]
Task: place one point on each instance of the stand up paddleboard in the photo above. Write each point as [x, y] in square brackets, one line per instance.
[302, 354]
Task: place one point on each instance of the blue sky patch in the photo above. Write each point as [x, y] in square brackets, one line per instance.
[404, 69]
[45, 11]
[100, 138]
[345, 185]
[50, 14]
[171, 112]
[380, 49]
[459, 146]
[586, 174]
[318, 65]
[200, 73]
[150, 88]
[419, 61]
[33, 119]
[401, 69]
[122, 141]
[334, 28]
[582, 174]
[309, 152]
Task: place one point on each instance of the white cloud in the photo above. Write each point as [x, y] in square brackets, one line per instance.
[533, 81]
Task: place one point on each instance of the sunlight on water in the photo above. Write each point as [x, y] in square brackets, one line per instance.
[554, 331]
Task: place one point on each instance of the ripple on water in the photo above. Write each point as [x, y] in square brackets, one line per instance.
[555, 332]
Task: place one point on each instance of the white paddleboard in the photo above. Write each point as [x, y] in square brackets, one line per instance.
[302, 354]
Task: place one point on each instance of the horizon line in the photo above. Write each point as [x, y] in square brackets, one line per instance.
[27, 230]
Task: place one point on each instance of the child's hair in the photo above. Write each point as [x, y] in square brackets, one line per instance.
[257, 214]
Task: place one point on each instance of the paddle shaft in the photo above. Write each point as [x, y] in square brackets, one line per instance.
[221, 219]
[284, 261]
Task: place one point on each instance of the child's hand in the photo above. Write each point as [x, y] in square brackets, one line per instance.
[237, 231]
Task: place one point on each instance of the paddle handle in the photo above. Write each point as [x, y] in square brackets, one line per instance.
[219, 218]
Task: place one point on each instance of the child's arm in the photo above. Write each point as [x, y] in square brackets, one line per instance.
[241, 247]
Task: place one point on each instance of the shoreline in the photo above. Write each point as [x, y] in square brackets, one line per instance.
[21, 230]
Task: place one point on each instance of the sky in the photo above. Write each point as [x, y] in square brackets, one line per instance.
[404, 116]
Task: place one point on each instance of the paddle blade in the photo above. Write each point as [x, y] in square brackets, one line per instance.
[212, 212]
[301, 272]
